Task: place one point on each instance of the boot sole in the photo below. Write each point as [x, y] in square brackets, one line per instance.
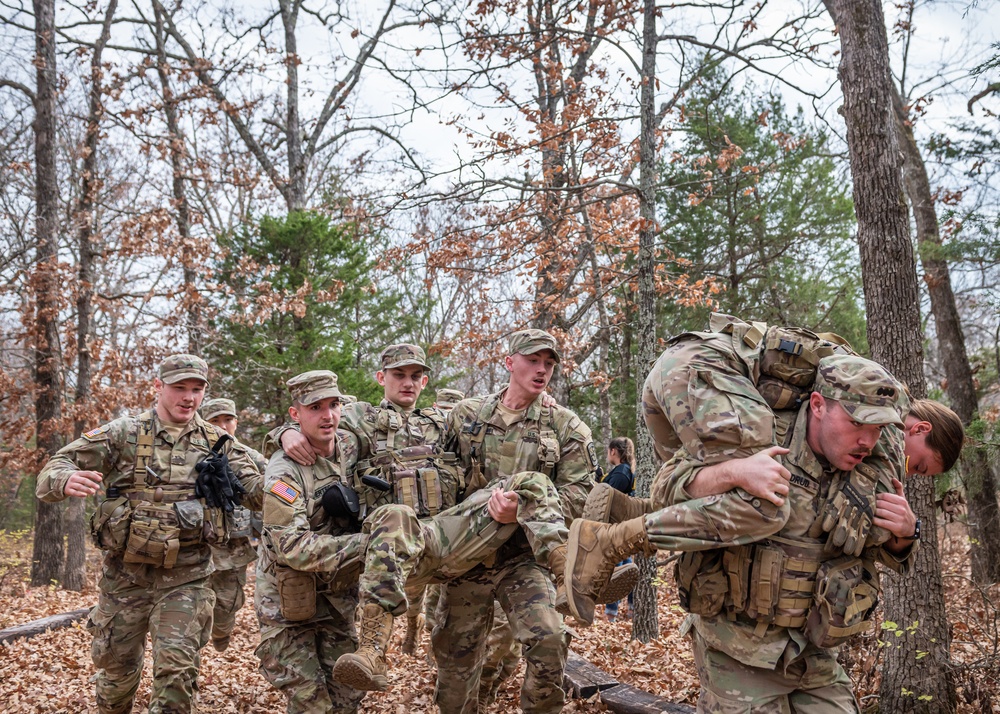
[623, 581]
[351, 675]
[598, 505]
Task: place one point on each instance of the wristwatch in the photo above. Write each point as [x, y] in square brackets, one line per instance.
[916, 532]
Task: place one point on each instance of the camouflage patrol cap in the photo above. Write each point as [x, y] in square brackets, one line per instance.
[528, 342]
[448, 397]
[348, 399]
[310, 387]
[866, 390]
[177, 368]
[402, 356]
[218, 407]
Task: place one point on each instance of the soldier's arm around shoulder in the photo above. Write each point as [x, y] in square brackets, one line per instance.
[574, 475]
[97, 450]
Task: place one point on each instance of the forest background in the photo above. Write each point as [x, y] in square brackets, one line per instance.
[289, 185]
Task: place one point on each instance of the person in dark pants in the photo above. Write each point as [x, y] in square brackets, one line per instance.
[621, 459]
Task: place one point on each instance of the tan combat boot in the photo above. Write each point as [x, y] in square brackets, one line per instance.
[607, 504]
[414, 626]
[622, 581]
[591, 554]
[366, 668]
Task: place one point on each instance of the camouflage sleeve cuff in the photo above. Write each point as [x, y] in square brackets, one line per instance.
[272, 440]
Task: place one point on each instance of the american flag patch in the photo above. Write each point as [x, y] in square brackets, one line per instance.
[93, 433]
[283, 491]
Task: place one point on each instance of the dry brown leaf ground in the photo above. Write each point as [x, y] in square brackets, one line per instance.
[52, 673]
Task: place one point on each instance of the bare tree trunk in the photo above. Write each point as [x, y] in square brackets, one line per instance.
[645, 625]
[75, 569]
[909, 682]
[296, 191]
[178, 152]
[984, 512]
[47, 555]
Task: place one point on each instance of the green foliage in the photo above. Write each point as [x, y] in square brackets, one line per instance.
[305, 295]
[769, 221]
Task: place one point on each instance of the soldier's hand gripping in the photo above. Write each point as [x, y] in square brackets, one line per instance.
[83, 483]
[893, 512]
[502, 506]
[298, 447]
[763, 476]
[848, 520]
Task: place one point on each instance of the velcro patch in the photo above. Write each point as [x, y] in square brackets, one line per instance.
[283, 491]
[93, 434]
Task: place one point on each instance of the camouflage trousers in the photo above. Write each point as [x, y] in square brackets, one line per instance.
[811, 682]
[178, 619]
[503, 653]
[298, 660]
[405, 552]
[229, 598]
[465, 617]
[702, 408]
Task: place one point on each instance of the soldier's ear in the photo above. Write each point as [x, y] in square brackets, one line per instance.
[293, 413]
[508, 362]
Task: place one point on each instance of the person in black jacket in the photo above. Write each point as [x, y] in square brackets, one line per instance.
[621, 459]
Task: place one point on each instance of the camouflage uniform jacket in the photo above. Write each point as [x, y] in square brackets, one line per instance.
[239, 551]
[111, 451]
[368, 431]
[551, 440]
[298, 534]
[811, 484]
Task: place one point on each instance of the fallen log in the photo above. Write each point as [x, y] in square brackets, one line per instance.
[37, 627]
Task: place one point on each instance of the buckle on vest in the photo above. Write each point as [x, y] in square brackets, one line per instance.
[792, 348]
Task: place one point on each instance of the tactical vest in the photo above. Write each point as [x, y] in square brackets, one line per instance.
[782, 360]
[297, 589]
[152, 523]
[418, 476]
[549, 452]
[783, 581]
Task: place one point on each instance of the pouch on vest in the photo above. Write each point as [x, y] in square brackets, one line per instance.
[701, 582]
[548, 451]
[238, 523]
[845, 598]
[109, 524]
[429, 485]
[191, 521]
[405, 486]
[154, 535]
[296, 593]
[788, 363]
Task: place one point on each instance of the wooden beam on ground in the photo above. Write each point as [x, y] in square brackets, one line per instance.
[37, 627]
[582, 679]
[626, 699]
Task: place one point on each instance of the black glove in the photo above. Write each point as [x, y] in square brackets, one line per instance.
[216, 482]
[340, 502]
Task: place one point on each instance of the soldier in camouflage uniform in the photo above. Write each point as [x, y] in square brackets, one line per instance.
[378, 435]
[405, 553]
[778, 563]
[232, 557]
[309, 562]
[153, 529]
[497, 436]
[445, 400]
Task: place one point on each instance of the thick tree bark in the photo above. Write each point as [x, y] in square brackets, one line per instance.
[909, 683]
[47, 555]
[74, 571]
[645, 625]
[984, 512]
